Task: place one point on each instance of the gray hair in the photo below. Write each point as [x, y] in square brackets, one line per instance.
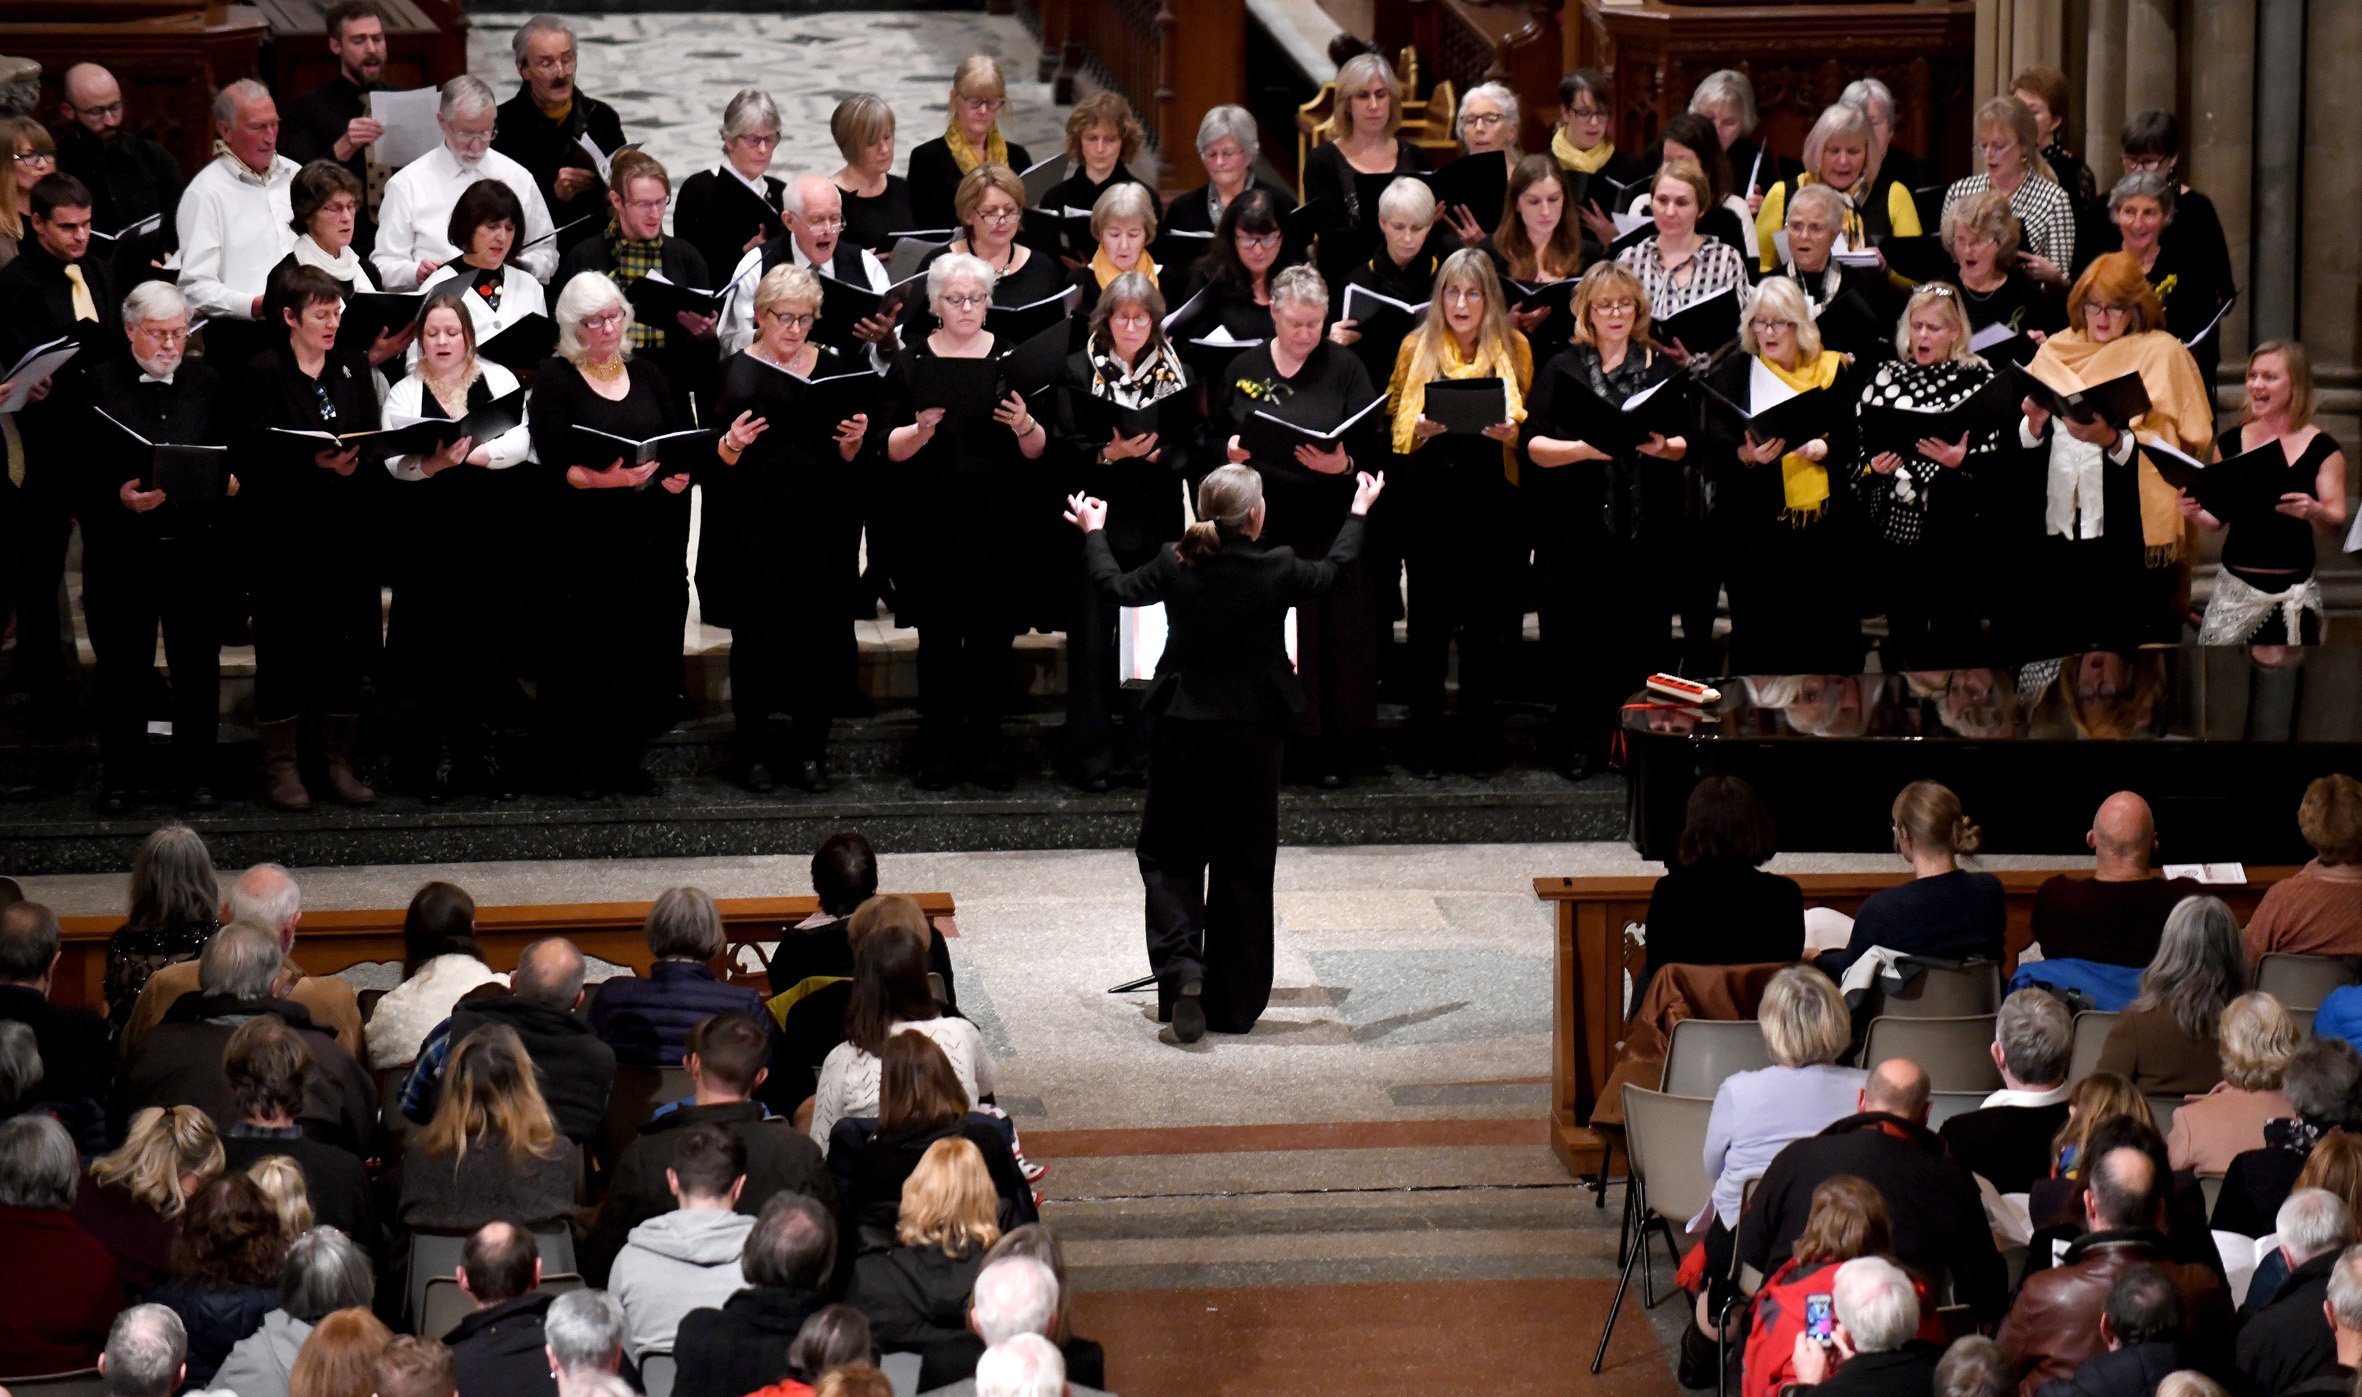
[1027, 1365]
[549, 973]
[1124, 202]
[750, 109]
[2320, 1080]
[1864, 93]
[791, 191]
[2143, 184]
[584, 1329]
[241, 961]
[2199, 967]
[2313, 1221]
[325, 1271]
[1302, 285]
[153, 300]
[685, 923]
[539, 24]
[145, 1350]
[792, 1245]
[2036, 1034]
[1014, 1295]
[226, 101]
[1726, 87]
[37, 1164]
[956, 266]
[2345, 1289]
[266, 895]
[1408, 198]
[172, 880]
[1493, 92]
[20, 1062]
[1876, 1304]
[1833, 205]
[467, 95]
[1233, 121]
[1974, 1366]
[587, 295]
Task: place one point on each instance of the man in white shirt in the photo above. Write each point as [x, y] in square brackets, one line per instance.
[414, 219]
[234, 225]
[814, 213]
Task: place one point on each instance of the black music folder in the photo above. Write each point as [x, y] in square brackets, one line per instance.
[1379, 316]
[2115, 402]
[844, 305]
[186, 474]
[1994, 407]
[1023, 322]
[1661, 409]
[2245, 486]
[658, 300]
[1270, 438]
[502, 415]
[1793, 420]
[1702, 326]
[1466, 406]
[523, 345]
[369, 314]
[674, 452]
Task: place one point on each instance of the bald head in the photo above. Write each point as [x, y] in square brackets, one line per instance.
[266, 896]
[94, 99]
[2122, 1190]
[549, 973]
[811, 201]
[2124, 835]
[1898, 1087]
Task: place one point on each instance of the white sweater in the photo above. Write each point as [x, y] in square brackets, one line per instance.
[849, 1077]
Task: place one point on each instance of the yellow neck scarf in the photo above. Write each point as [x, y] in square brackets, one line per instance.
[1108, 271]
[1804, 482]
[2181, 413]
[996, 149]
[1515, 369]
[1589, 162]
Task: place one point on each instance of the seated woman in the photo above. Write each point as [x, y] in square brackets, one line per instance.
[133, 1199]
[486, 225]
[225, 1271]
[2105, 1113]
[1944, 912]
[1716, 905]
[1086, 1359]
[492, 1150]
[916, 1291]
[647, 1019]
[1849, 1219]
[2321, 1081]
[920, 1101]
[441, 965]
[2317, 911]
[890, 994]
[2166, 1040]
[1840, 153]
[972, 138]
[2208, 1133]
[170, 915]
[2265, 592]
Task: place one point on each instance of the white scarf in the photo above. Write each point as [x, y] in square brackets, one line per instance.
[345, 267]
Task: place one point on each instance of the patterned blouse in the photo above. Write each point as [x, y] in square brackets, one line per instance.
[1898, 504]
[2044, 211]
[1714, 266]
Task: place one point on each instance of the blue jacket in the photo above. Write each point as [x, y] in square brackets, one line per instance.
[2340, 1015]
[2108, 987]
[647, 1020]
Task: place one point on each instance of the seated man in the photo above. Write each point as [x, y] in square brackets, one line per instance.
[789, 1258]
[147, 1353]
[77, 1065]
[686, 1259]
[1014, 1295]
[266, 896]
[2117, 915]
[2343, 1309]
[2287, 1337]
[2006, 1141]
[2055, 1324]
[576, 1071]
[270, 1069]
[725, 1063]
[2141, 1328]
[500, 1350]
[180, 1062]
[647, 1021]
[1877, 1314]
[583, 1341]
[1939, 1219]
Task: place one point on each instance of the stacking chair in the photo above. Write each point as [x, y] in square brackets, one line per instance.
[82, 1382]
[1704, 1051]
[1954, 1052]
[1665, 1142]
[1943, 1105]
[2302, 982]
[2091, 1035]
[1938, 993]
[656, 1374]
[2163, 1107]
[434, 1254]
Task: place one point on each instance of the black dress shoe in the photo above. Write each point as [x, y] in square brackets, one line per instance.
[116, 803]
[1189, 1012]
[813, 777]
[198, 798]
[757, 778]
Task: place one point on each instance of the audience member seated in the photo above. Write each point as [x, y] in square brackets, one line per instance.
[2006, 1141]
[576, 1071]
[916, 1292]
[54, 1315]
[1717, 906]
[2054, 1324]
[146, 1353]
[132, 1200]
[2141, 1329]
[1944, 912]
[811, 1011]
[890, 995]
[2165, 1041]
[1872, 1344]
[414, 1367]
[1974, 1366]
[174, 896]
[2322, 1081]
[2317, 911]
[225, 1270]
[647, 1021]
[1023, 1365]
[820, 947]
[951, 1365]
[2117, 915]
[20, 1071]
[336, 1361]
[2106, 1113]
[835, 1337]
[2286, 1338]
[920, 1101]
[1849, 1219]
[324, 1272]
[441, 964]
[725, 1064]
[264, 896]
[744, 1345]
[492, 1149]
[179, 1062]
[77, 1076]
[2345, 1326]
[270, 1069]
[281, 1182]
[500, 1350]
[2209, 1132]
[687, 1259]
[585, 1333]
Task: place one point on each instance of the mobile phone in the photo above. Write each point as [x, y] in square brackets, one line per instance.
[1820, 1319]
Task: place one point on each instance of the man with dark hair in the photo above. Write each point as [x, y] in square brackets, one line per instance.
[725, 1063]
[130, 177]
[2141, 1326]
[497, 1351]
[77, 1065]
[686, 1259]
[576, 1071]
[2006, 1141]
[270, 1070]
[332, 121]
[2055, 1325]
[743, 1346]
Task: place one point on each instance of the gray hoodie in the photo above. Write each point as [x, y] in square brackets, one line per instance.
[260, 1364]
[674, 1263]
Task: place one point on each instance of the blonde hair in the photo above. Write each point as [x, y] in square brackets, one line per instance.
[1356, 76]
[1929, 815]
[1835, 122]
[979, 75]
[969, 196]
[2117, 276]
[164, 1143]
[1226, 498]
[1803, 1018]
[2100, 1097]
[19, 135]
[1606, 279]
[2189, 1382]
[1946, 297]
[858, 121]
[1726, 87]
[489, 1091]
[1105, 108]
[1121, 202]
[1786, 301]
[2007, 113]
[1495, 335]
[2257, 1036]
[587, 295]
[787, 282]
[949, 1201]
[2300, 406]
[1986, 215]
[281, 1181]
[1689, 172]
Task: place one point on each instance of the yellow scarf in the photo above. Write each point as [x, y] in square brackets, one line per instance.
[996, 149]
[1588, 162]
[1804, 482]
[1410, 398]
[2180, 414]
[1108, 271]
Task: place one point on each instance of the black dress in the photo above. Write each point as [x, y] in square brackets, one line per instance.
[1040, 275]
[1327, 172]
[872, 220]
[935, 176]
[716, 213]
[782, 531]
[2021, 303]
[2185, 283]
[2270, 551]
[1194, 212]
[616, 592]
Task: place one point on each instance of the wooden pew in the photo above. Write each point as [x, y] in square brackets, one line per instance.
[330, 941]
[1590, 955]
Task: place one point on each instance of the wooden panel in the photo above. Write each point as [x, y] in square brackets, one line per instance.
[423, 48]
[1467, 43]
[169, 67]
[1173, 60]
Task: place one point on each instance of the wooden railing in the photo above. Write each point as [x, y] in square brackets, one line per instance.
[1515, 44]
[1173, 60]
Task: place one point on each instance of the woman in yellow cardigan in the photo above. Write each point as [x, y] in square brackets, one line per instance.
[1840, 153]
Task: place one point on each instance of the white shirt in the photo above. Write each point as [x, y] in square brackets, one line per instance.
[2010, 1096]
[2076, 506]
[233, 229]
[849, 1077]
[416, 213]
[407, 400]
[520, 296]
[737, 327]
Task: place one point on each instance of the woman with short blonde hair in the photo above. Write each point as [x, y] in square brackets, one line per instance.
[915, 1293]
[1841, 154]
[1123, 223]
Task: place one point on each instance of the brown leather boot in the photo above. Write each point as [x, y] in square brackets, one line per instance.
[337, 732]
[282, 784]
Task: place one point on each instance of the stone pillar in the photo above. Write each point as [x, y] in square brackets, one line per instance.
[2279, 146]
[2102, 107]
[2330, 317]
[2221, 159]
[2013, 35]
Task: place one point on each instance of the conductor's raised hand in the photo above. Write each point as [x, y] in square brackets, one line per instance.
[1086, 513]
[1366, 489]
[1333, 461]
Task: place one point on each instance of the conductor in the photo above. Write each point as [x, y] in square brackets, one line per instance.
[1222, 695]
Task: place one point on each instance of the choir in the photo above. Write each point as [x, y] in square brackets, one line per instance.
[1610, 385]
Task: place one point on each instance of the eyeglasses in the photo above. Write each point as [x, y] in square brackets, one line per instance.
[326, 404]
[35, 157]
[1613, 307]
[966, 300]
[604, 320]
[2091, 308]
[828, 225]
[1996, 147]
[1765, 327]
[554, 63]
[793, 321]
[472, 138]
[1486, 119]
[161, 334]
[982, 104]
[645, 205]
[110, 109]
[1464, 295]
[2148, 164]
[757, 140]
[1586, 114]
[990, 216]
[1258, 241]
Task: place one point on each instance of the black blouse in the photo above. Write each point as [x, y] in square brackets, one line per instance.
[962, 499]
[1143, 496]
[766, 515]
[192, 410]
[716, 213]
[935, 177]
[2270, 541]
[872, 220]
[315, 510]
[1303, 507]
[1618, 495]
[606, 535]
[2019, 302]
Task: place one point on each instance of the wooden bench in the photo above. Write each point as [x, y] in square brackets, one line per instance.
[330, 941]
[1591, 954]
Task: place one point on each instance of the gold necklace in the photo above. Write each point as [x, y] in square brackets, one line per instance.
[606, 372]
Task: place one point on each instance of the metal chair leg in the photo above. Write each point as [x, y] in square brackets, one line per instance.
[1624, 1225]
[1623, 1283]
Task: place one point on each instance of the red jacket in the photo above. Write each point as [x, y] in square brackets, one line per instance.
[1770, 1358]
[58, 1293]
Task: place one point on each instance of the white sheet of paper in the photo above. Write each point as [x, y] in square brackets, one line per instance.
[409, 120]
[1140, 643]
[599, 158]
[1626, 222]
[2233, 873]
[28, 375]
[1991, 335]
[2354, 535]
